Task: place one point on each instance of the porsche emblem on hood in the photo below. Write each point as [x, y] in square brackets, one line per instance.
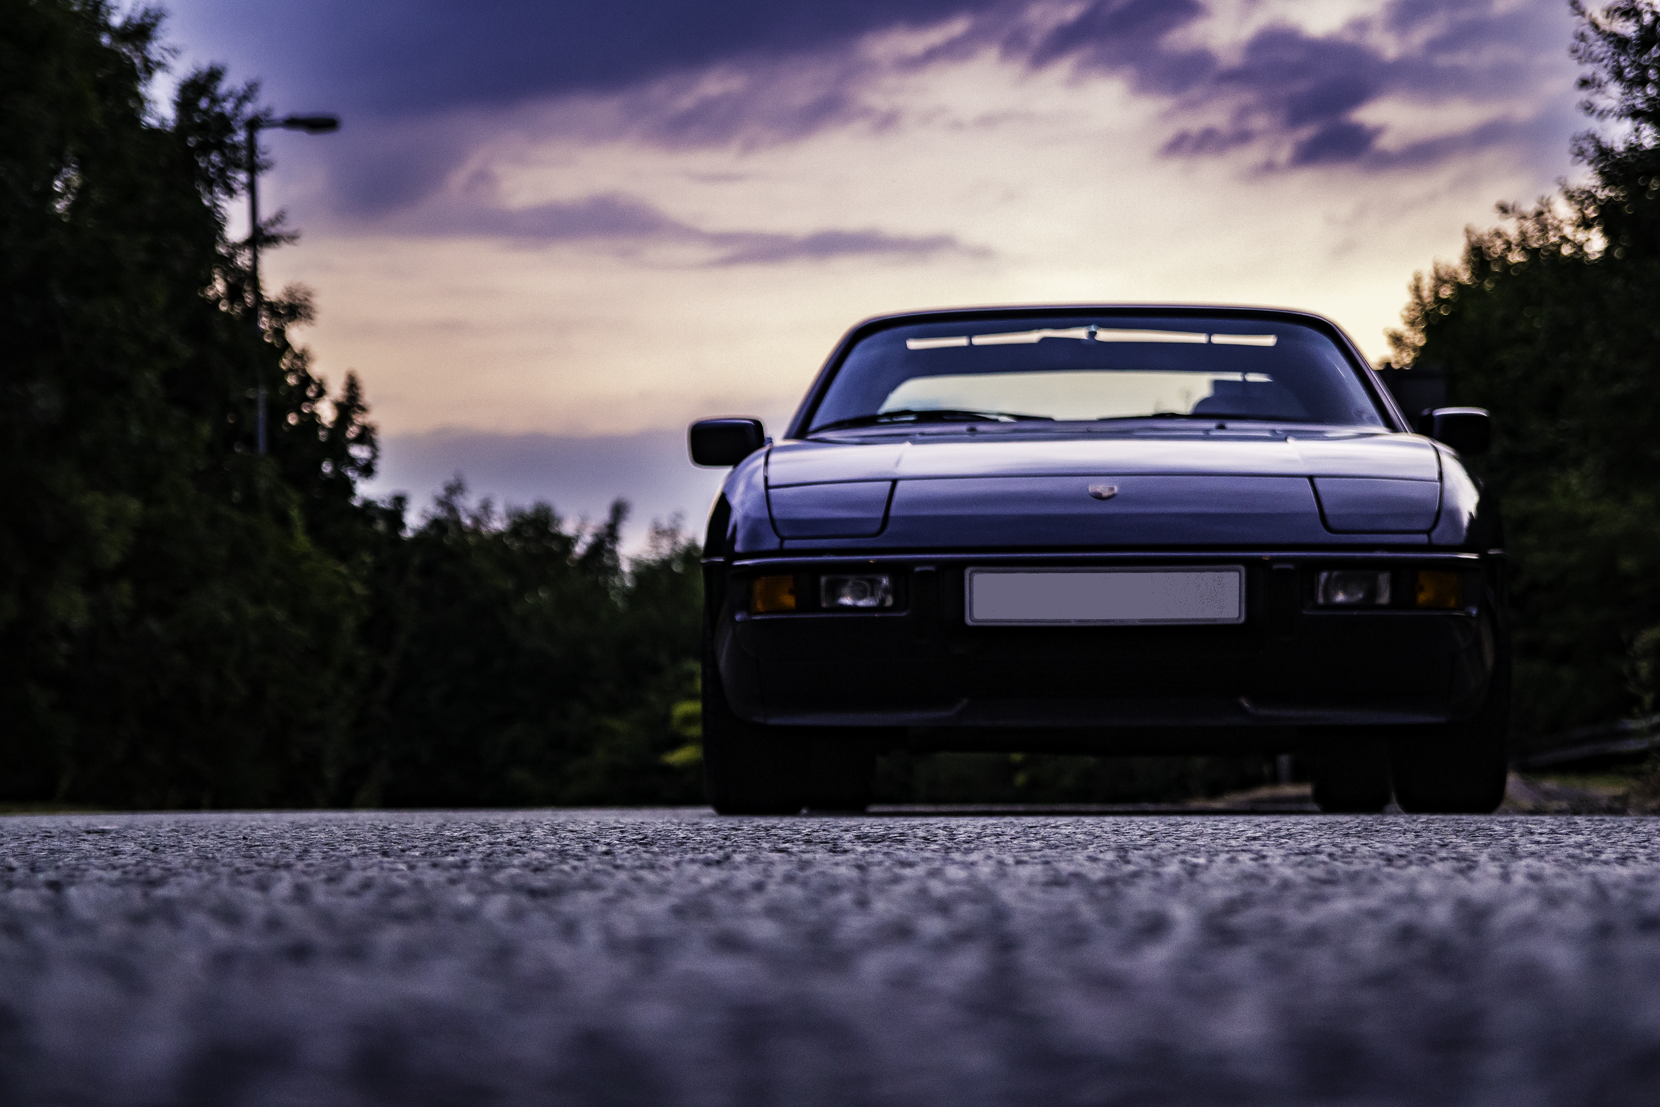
[1103, 491]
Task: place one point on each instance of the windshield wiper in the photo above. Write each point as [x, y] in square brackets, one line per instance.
[1205, 416]
[1153, 415]
[929, 415]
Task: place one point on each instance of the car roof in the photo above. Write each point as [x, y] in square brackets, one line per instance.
[1236, 310]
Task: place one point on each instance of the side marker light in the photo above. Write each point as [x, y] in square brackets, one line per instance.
[1437, 588]
[770, 594]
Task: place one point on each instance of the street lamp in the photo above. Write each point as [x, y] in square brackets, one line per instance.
[311, 124]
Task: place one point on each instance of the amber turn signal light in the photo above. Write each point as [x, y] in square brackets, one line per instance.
[770, 594]
[1437, 588]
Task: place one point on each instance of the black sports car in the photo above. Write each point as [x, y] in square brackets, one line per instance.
[1107, 530]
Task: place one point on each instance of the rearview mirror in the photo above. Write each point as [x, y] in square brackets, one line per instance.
[722, 443]
[1466, 429]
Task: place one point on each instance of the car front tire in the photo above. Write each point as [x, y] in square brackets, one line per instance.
[747, 768]
[1457, 769]
[757, 769]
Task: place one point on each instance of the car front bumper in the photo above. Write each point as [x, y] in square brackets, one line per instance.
[1287, 668]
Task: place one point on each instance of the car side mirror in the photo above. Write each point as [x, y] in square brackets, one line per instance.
[1466, 429]
[722, 443]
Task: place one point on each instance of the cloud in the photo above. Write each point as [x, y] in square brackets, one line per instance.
[424, 83]
[1128, 36]
[1544, 131]
[755, 249]
[609, 216]
[1301, 97]
[1206, 141]
[393, 58]
[1335, 140]
[624, 222]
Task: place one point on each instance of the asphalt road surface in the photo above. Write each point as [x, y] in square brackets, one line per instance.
[675, 958]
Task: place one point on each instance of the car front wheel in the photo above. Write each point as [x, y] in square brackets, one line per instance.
[757, 769]
[1457, 769]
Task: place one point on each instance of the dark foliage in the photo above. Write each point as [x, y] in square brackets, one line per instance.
[184, 623]
[1549, 320]
[523, 666]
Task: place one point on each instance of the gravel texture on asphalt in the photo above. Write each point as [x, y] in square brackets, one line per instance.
[669, 958]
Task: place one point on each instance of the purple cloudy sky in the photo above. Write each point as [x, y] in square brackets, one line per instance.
[550, 234]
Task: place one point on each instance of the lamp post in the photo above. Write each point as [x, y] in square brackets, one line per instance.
[311, 124]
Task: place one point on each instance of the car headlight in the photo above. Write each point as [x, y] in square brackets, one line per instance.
[858, 591]
[1352, 588]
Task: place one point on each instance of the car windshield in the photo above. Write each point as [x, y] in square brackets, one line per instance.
[1103, 367]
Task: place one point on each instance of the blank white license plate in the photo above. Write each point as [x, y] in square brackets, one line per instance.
[1106, 597]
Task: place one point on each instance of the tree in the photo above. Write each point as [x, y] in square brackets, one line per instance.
[524, 665]
[1548, 320]
[185, 623]
[170, 630]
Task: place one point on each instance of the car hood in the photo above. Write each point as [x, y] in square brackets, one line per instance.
[1398, 456]
[966, 490]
